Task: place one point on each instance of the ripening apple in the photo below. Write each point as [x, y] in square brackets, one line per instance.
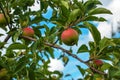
[3, 19]
[69, 36]
[98, 62]
[28, 31]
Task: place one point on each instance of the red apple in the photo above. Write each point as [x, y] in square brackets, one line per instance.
[98, 62]
[69, 36]
[28, 31]
[3, 20]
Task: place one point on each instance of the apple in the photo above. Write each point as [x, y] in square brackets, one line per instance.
[69, 36]
[98, 62]
[3, 20]
[3, 72]
[28, 31]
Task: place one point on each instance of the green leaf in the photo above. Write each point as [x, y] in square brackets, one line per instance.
[105, 42]
[50, 51]
[105, 66]
[94, 31]
[117, 74]
[88, 5]
[99, 11]
[17, 46]
[65, 3]
[73, 15]
[65, 59]
[80, 6]
[81, 70]
[2, 44]
[94, 18]
[16, 36]
[21, 64]
[83, 48]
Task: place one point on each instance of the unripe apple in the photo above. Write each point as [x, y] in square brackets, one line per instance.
[3, 72]
[28, 31]
[3, 19]
[69, 36]
[98, 62]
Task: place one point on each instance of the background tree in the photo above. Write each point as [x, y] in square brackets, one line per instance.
[28, 56]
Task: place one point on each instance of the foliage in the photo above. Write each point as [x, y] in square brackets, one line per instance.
[27, 58]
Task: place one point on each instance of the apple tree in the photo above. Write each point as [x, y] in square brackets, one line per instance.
[26, 50]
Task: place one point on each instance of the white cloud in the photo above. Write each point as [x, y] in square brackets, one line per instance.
[55, 64]
[115, 9]
[105, 30]
[106, 2]
[105, 27]
[3, 36]
[36, 6]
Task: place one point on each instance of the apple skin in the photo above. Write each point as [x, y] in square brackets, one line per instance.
[3, 20]
[69, 36]
[98, 62]
[28, 32]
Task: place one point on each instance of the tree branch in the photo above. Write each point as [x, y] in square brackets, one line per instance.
[69, 53]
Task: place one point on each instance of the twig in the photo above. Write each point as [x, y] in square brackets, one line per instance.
[76, 21]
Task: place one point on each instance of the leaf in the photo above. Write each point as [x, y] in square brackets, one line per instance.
[2, 44]
[65, 59]
[31, 71]
[105, 66]
[94, 31]
[16, 36]
[50, 51]
[117, 74]
[83, 48]
[81, 70]
[80, 6]
[94, 18]
[65, 3]
[14, 46]
[18, 46]
[88, 5]
[99, 11]
[105, 42]
[73, 15]
[21, 64]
